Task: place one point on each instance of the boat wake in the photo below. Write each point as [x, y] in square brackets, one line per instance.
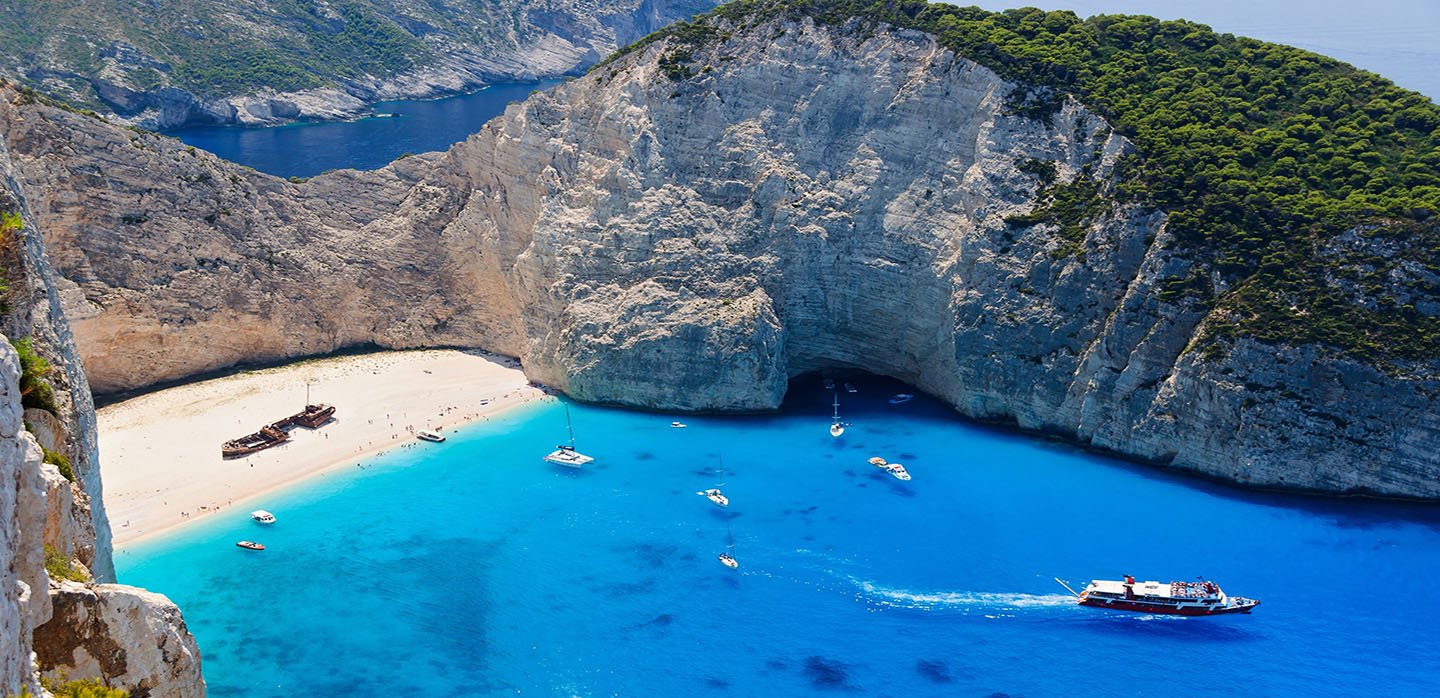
[958, 600]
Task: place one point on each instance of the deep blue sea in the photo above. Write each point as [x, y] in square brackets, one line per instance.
[473, 568]
[309, 148]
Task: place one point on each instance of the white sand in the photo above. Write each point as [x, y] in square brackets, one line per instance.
[160, 452]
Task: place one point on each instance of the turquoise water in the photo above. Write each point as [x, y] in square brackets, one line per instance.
[412, 126]
[473, 568]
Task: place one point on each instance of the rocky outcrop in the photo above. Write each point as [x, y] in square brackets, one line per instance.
[134, 638]
[802, 197]
[150, 71]
[24, 604]
[49, 524]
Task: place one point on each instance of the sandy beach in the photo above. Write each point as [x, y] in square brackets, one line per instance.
[160, 452]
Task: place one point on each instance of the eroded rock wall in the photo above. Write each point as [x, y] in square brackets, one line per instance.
[53, 523]
[810, 197]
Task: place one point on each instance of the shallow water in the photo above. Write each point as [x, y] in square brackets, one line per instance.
[412, 126]
[473, 568]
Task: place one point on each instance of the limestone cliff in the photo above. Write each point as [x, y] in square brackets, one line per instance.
[803, 197]
[52, 519]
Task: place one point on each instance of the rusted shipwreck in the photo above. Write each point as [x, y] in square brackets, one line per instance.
[274, 434]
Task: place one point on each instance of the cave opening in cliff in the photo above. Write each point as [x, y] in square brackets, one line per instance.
[857, 392]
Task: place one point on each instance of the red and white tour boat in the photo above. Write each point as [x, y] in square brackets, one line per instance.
[1200, 598]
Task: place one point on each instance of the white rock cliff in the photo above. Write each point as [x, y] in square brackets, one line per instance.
[811, 197]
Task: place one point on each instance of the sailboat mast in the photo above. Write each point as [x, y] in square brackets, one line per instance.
[569, 429]
[837, 405]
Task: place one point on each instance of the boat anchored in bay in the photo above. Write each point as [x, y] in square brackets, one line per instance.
[566, 455]
[714, 494]
[837, 427]
[1198, 598]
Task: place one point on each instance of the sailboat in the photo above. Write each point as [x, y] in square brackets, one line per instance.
[837, 427]
[714, 494]
[566, 455]
[727, 558]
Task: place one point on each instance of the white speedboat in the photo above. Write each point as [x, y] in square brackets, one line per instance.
[262, 516]
[715, 495]
[901, 398]
[898, 471]
[677, 425]
[250, 545]
[566, 455]
[428, 435]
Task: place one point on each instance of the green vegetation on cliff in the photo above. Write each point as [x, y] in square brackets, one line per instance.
[1308, 188]
[103, 54]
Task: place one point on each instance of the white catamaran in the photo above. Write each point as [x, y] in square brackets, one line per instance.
[566, 455]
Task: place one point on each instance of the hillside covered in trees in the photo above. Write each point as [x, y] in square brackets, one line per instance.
[1283, 171]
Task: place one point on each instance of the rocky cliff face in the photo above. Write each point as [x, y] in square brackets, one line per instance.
[807, 198]
[54, 522]
[268, 62]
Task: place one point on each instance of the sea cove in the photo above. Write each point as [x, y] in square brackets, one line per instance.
[473, 568]
[397, 128]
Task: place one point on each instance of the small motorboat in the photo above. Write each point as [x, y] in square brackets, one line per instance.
[715, 495]
[850, 388]
[901, 398]
[1199, 598]
[728, 560]
[898, 471]
[878, 462]
[677, 425]
[250, 545]
[829, 383]
[262, 516]
[427, 435]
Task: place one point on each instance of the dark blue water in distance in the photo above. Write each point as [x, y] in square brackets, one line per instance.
[309, 148]
[472, 568]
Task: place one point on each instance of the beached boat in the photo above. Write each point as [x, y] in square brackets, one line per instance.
[566, 455]
[269, 435]
[727, 558]
[1198, 598]
[262, 516]
[314, 416]
[837, 427]
[427, 435]
[901, 398]
[250, 545]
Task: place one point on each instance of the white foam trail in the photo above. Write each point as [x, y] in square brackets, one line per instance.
[955, 600]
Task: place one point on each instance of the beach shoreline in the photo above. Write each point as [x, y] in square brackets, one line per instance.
[160, 452]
